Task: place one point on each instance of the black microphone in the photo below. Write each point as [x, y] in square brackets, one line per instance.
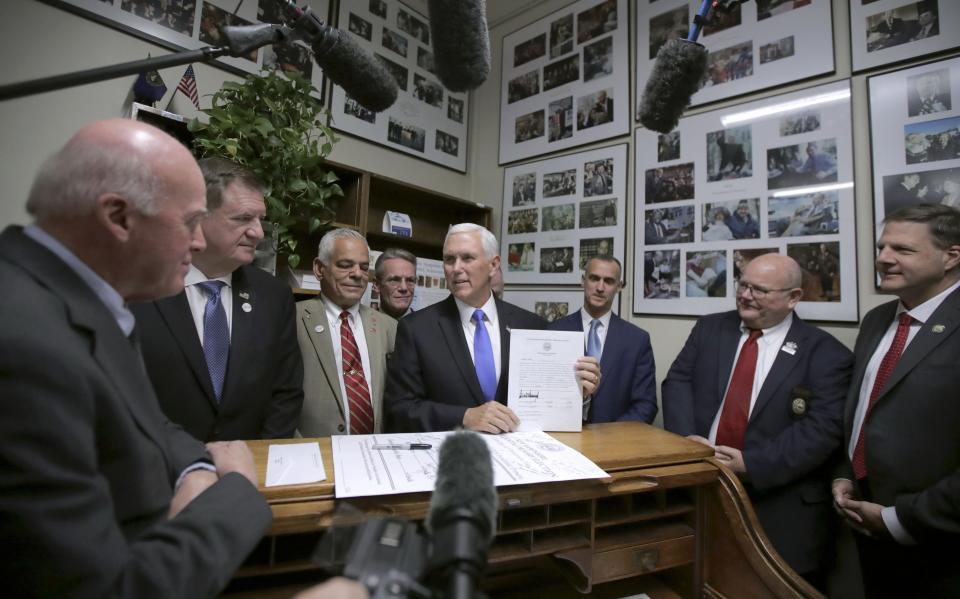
[677, 74]
[462, 516]
[342, 59]
[461, 43]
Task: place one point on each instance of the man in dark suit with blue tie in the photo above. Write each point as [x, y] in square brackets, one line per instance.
[449, 366]
[629, 390]
[900, 486]
[223, 353]
[766, 391]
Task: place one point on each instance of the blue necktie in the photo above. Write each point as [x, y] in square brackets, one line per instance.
[594, 349]
[483, 358]
[216, 335]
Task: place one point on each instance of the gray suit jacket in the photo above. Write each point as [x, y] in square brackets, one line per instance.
[89, 460]
[324, 406]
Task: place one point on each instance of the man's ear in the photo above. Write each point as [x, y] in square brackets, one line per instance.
[317, 268]
[115, 214]
[951, 258]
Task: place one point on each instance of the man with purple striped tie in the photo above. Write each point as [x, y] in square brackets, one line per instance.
[450, 367]
[344, 344]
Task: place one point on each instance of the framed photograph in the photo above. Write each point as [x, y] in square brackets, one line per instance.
[915, 137]
[774, 175]
[753, 46]
[564, 81]
[560, 212]
[427, 120]
[551, 305]
[887, 31]
[192, 24]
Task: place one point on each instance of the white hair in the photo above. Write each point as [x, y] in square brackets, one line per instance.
[487, 239]
[325, 249]
[69, 182]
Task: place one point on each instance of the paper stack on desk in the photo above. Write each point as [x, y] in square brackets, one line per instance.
[294, 464]
[518, 459]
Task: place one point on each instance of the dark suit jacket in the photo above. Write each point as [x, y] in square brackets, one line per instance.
[89, 461]
[628, 387]
[431, 380]
[913, 432]
[263, 389]
[788, 456]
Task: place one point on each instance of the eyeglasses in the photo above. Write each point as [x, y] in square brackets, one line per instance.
[756, 292]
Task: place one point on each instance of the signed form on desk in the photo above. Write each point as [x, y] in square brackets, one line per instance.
[543, 390]
[518, 458]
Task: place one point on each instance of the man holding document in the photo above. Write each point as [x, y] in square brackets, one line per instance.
[451, 361]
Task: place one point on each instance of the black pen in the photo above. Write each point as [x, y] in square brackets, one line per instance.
[404, 446]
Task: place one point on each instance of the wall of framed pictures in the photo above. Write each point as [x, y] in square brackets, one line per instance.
[565, 80]
[774, 175]
[427, 120]
[753, 46]
[915, 136]
[551, 304]
[886, 31]
[193, 24]
[560, 212]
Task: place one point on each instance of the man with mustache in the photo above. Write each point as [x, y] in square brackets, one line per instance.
[344, 344]
[222, 354]
[766, 390]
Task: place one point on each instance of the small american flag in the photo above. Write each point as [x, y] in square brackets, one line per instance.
[188, 85]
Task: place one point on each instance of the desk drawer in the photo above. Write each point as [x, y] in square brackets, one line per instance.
[641, 559]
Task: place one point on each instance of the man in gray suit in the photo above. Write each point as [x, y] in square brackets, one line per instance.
[900, 486]
[344, 345]
[100, 494]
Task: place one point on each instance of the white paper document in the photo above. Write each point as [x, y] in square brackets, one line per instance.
[542, 388]
[518, 458]
[294, 464]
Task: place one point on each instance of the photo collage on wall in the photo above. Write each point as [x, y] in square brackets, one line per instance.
[775, 175]
[895, 30]
[427, 120]
[551, 305]
[915, 122]
[565, 80]
[560, 212]
[193, 24]
[751, 46]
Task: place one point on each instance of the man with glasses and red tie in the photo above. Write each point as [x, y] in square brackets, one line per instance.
[450, 367]
[766, 390]
[344, 344]
[900, 487]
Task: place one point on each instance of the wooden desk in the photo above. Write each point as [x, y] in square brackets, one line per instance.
[668, 512]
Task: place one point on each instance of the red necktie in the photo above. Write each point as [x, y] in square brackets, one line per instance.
[736, 405]
[358, 394]
[887, 365]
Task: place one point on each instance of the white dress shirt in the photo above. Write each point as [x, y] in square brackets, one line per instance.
[920, 315]
[197, 298]
[491, 321]
[356, 326]
[601, 330]
[768, 346]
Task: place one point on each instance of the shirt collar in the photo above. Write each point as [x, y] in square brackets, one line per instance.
[466, 311]
[195, 275]
[107, 294]
[587, 319]
[333, 311]
[780, 328]
[924, 311]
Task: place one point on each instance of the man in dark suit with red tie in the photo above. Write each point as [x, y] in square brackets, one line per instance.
[900, 488]
[766, 390]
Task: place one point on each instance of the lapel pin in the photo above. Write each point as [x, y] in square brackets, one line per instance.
[246, 307]
[318, 328]
[790, 347]
[244, 295]
[938, 328]
[799, 406]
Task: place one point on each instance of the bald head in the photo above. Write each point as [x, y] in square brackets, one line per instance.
[769, 290]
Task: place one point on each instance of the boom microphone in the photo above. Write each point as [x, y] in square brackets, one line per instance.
[678, 73]
[461, 43]
[462, 515]
[346, 63]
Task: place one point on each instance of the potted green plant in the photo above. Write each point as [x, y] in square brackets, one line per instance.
[272, 124]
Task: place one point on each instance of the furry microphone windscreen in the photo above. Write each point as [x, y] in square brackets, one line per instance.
[461, 43]
[677, 74]
[464, 482]
[355, 70]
